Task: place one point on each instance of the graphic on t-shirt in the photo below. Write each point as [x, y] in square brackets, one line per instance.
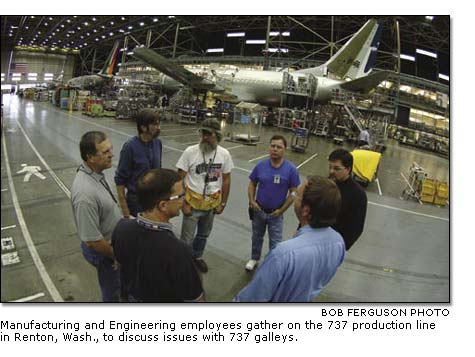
[214, 171]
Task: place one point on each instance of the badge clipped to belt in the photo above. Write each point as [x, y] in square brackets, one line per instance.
[277, 179]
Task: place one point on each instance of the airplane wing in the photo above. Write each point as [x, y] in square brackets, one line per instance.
[364, 84]
[173, 70]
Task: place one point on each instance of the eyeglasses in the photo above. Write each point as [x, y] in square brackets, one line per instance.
[177, 197]
[336, 168]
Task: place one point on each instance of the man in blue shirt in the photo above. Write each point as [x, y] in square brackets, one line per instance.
[298, 269]
[276, 180]
[138, 155]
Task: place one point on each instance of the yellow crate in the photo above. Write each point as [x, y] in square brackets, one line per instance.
[440, 201]
[427, 198]
[443, 190]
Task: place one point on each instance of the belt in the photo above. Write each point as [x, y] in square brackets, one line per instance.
[266, 210]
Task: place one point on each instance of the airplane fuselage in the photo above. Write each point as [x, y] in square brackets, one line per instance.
[92, 81]
[264, 87]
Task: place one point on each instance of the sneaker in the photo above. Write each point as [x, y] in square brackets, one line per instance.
[201, 265]
[251, 264]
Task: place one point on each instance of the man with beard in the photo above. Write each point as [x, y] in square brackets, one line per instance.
[350, 220]
[139, 154]
[206, 169]
[299, 268]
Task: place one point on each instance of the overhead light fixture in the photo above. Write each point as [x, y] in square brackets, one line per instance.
[236, 34]
[408, 58]
[255, 42]
[141, 24]
[155, 20]
[130, 53]
[429, 18]
[215, 50]
[444, 77]
[171, 17]
[286, 33]
[130, 27]
[426, 53]
[283, 50]
[274, 33]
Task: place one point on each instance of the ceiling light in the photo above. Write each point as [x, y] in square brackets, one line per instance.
[408, 58]
[141, 24]
[215, 50]
[236, 34]
[429, 18]
[112, 22]
[255, 42]
[155, 20]
[426, 53]
[444, 76]
[130, 27]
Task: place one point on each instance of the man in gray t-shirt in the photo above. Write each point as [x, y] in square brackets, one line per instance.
[96, 211]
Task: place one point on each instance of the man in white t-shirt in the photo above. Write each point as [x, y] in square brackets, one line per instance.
[206, 169]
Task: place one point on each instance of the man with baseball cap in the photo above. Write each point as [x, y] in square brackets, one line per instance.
[206, 169]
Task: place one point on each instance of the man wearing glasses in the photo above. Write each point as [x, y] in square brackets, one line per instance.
[155, 266]
[350, 220]
[139, 154]
[206, 169]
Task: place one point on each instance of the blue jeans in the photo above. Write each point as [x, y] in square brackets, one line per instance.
[203, 220]
[274, 227]
[109, 278]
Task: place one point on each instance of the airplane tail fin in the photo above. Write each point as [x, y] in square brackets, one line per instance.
[108, 69]
[356, 58]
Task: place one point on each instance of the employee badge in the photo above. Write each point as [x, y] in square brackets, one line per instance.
[277, 179]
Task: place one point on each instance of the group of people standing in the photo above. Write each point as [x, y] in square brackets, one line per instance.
[138, 258]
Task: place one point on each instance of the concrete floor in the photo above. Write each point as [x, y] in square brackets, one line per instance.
[402, 256]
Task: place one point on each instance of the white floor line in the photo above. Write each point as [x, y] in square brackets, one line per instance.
[60, 183]
[257, 158]
[26, 234]
[29, 298]
[408, 211]
[8, 227]
[379, 187]
[242, 169]
[310, 158]
[235, 147]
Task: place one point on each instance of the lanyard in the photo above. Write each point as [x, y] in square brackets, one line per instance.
[208, 167]
[102, 180]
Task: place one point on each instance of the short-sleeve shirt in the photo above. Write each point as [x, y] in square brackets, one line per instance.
[136, 157]
[96, 213]
[197, 165]
[274, 183]
[155, 265]
[297, 269]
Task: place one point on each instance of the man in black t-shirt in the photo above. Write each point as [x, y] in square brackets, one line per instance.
[155, 266]
[350, 220]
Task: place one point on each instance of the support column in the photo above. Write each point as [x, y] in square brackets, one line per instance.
[176, 39]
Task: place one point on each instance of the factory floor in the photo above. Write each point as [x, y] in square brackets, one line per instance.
[402, 256]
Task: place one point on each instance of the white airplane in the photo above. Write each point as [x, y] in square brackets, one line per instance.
[105, 75]
[348, 69]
